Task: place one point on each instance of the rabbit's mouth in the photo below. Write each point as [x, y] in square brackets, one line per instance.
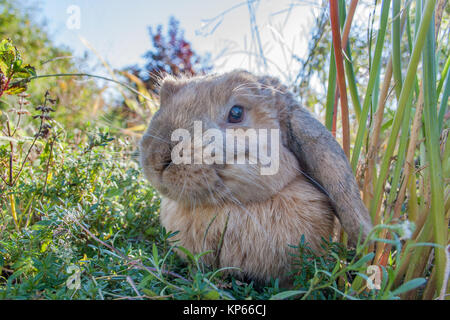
[213, 184]
[165, 165]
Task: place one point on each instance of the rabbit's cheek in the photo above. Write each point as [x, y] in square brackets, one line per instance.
[190, 183]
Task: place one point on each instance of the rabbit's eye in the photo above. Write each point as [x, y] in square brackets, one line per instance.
[236, 114]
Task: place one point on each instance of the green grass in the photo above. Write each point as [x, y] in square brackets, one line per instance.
[75, 207]
[89, 208]
[95, 211]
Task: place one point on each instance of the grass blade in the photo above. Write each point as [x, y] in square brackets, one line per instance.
[362, 128]
[402, 105]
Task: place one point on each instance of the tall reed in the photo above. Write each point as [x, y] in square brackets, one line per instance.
[403, 161]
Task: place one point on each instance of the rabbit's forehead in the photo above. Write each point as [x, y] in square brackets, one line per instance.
[209, 98]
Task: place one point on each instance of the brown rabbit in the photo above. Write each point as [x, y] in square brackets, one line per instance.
[256, 215]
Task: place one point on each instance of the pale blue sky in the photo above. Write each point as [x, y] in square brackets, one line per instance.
[117, 29]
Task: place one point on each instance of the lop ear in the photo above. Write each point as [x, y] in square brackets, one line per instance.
[323, 159]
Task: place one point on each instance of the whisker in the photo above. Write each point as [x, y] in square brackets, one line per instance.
[158, 138]
[314, 182]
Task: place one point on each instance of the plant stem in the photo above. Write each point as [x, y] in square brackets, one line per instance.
[12, 203]
[432, 135]
[334, 16]
[374, 69]
[329, 109]
[91, 76]
[402, 104]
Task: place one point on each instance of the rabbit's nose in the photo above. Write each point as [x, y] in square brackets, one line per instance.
[156, 152]
[161, 157]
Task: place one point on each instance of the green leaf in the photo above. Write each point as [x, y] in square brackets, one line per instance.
[11, 64]
[186, 252]
[151, 231]
[13, 90]
[149, 292]
[5, 44]
[201, 254]
[361, 261]
[410, 285]
[41, 225]
[344, 294]
[17, 65]
[286, 294]
[155, 254]
[25, 72]
[8, 56]
[211, 295]
[44, 245]
[7, 59]
[3, 67]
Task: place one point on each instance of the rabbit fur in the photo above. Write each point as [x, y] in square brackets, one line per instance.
[246, 219]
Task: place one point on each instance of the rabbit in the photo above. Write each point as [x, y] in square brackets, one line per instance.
[249, 221]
